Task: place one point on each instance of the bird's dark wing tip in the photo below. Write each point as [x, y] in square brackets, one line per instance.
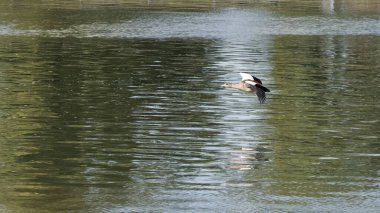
[256, 79]
[260, 92]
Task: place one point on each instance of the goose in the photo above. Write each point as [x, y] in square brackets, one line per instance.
[249, 83]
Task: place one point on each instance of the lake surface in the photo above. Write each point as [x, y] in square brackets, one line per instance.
[118, 106]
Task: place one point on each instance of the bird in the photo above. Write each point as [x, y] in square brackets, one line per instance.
[250, 83]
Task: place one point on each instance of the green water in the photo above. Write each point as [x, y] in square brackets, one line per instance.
[117, 107]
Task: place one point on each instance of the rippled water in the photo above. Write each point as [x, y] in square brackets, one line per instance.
[119, 108]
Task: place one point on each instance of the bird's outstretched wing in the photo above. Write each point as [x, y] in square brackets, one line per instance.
[260, 94]
[246, 76]
[260, 90]
[257, 80]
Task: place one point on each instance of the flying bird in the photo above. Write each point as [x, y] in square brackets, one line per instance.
[250, 83]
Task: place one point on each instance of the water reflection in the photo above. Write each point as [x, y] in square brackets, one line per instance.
[328, 6]
[227, 24]
[318, 141]
[137, 121]
[129, 118]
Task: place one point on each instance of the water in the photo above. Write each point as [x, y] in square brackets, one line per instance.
[118, 107]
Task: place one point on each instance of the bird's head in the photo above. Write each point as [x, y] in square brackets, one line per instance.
[227, 85]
